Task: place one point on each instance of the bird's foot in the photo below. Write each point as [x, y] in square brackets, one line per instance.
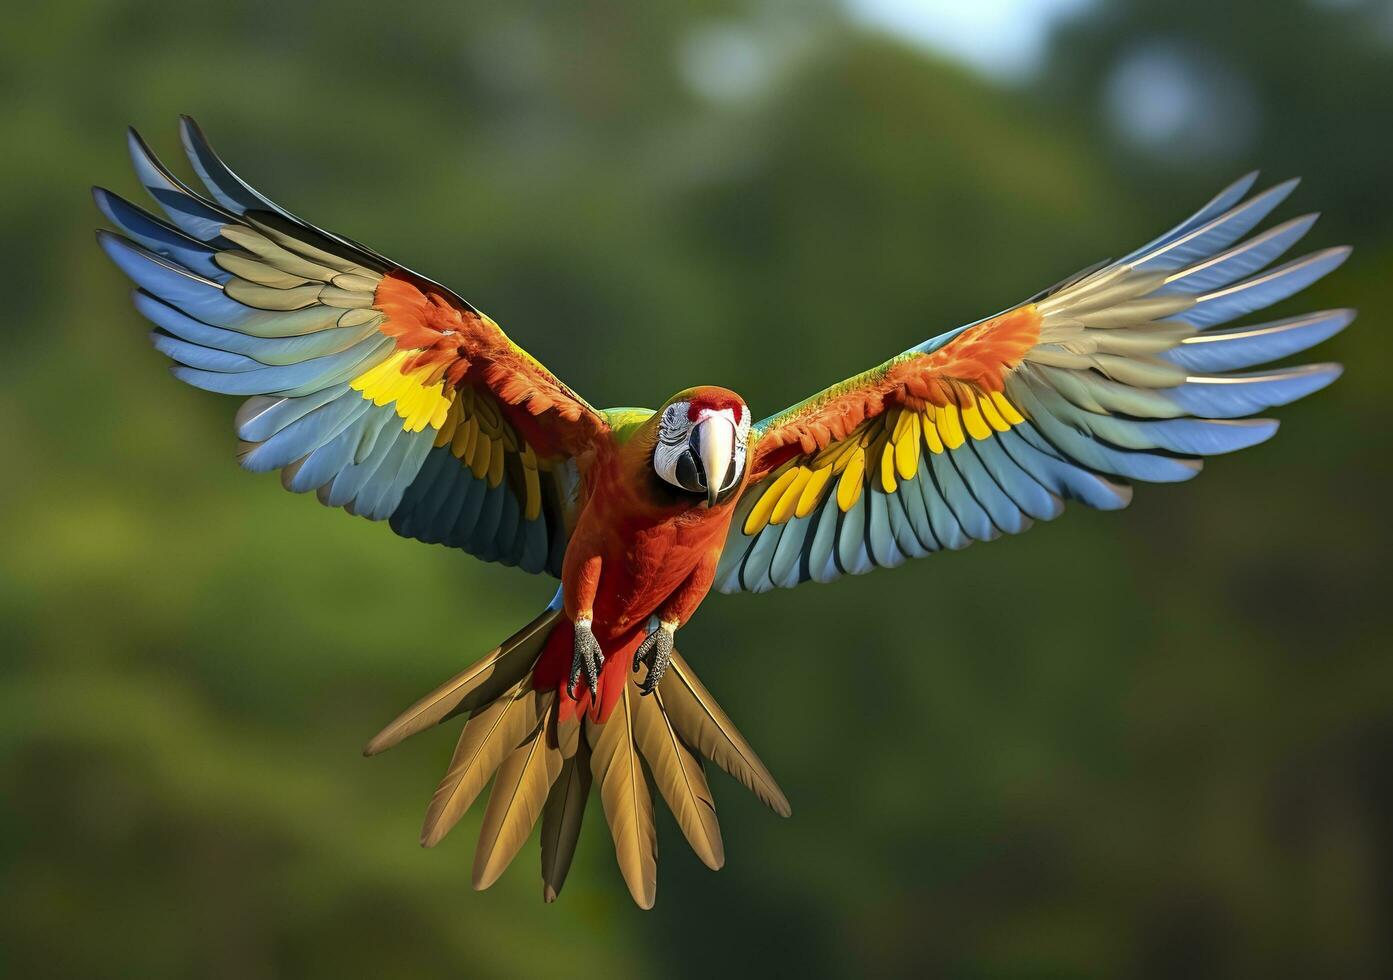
[587, 657]
[656, 652]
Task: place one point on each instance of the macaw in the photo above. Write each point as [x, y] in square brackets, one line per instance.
[390, 396]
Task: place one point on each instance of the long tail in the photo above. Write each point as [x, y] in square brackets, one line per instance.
[546, 753]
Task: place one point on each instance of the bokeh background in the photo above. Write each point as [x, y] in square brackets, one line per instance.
[1152, 744]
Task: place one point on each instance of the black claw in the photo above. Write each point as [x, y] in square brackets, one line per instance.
[642, 653]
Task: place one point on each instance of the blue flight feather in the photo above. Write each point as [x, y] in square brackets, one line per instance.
[197, 217]
[785, 569]
[1000, 508]
[290, 379]
[271, 352]
[1064, 478]
[946, 526]
[1070, 442]
[1242, 347]
[1023, 489]
[202, 358]
[261, 417]
[1235, 395]
[822, 560]
[158, 236]
[1242, 260]
[225, 186]
[1220, 203]
[1263, 290]
[970, 514]
[1219, 233]
[304, 435]
[852, 556]
[880, 538]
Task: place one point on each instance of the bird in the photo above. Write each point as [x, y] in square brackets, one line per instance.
[388, 395]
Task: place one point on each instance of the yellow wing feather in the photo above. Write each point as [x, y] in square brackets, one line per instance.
[882, 452]
[469, 423]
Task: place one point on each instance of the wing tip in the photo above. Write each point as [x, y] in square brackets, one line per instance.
[115, 246]
[192, 136]
[1258, 431]
[1328, 372]
[1304, 222]
[1340, 318]
[1340, 253]
[108, 203]
[1332, 368]
[1239, 188]
[137, 144]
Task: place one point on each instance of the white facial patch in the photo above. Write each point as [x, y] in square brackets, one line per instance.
[673, 430]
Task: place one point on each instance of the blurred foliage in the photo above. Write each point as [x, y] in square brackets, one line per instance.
[1148, 744]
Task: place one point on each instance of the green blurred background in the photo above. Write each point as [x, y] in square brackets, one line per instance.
[1154, 743]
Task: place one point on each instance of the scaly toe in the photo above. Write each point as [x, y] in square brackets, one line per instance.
[577, 665]
[586, 657]
[643, 651]
[658, 661]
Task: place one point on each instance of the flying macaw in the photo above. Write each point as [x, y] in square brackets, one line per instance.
[390, 396]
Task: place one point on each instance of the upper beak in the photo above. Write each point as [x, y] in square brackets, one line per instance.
[715, 445]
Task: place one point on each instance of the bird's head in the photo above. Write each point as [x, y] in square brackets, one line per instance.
[702, 436]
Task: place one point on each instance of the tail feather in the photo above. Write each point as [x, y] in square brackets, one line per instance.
[561, 819]
[546, 760]
[677, 771]
[704, 726]
[479, 684]
[488, 738]
[614, 762]
[520, 791]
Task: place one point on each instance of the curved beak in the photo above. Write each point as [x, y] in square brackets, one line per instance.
[713, 442]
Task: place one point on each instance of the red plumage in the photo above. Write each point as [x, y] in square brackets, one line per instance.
[638, 549]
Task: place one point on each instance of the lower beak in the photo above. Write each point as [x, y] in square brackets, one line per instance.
[715, 439]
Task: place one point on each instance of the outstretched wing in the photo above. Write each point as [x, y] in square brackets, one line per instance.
[1110, 377]
[380, 390]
